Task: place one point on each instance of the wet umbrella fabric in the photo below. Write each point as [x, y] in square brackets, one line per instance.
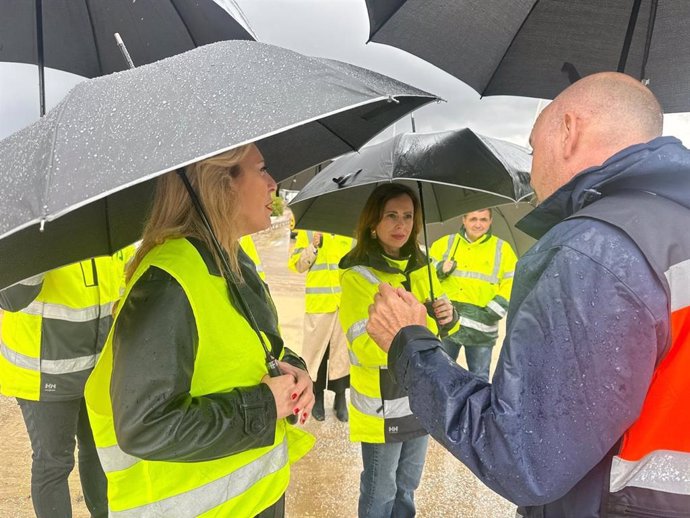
[536, 48]
[78, 34]
[85, 171]
[460, 171]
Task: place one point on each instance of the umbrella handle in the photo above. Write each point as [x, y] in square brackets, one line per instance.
[426, 242]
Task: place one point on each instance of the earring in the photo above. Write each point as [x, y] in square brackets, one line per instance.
[373, 234]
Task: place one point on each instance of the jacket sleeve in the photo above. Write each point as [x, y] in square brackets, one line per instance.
[154, 347]
[498, 306]
[569, 381]
[436, 252]
[356, 296]
[303, 255]
[20, 295]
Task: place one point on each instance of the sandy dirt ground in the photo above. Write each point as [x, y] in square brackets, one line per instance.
[325, 484]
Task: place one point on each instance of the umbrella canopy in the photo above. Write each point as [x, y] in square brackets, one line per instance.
[460, 171]
[78, 182]
[78, 35]
[536, 48]
[504, 218]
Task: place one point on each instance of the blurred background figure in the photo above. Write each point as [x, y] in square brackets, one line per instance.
[249, 247]
[394, 443]
[325, 347]
[53, 329]
[476, 272]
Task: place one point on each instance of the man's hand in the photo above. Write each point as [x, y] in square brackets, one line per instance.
[392, 310]
[316, 239]
[448, 266]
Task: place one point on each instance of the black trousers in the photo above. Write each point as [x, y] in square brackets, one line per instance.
[55, 428]
[277, 510]
[322, 380]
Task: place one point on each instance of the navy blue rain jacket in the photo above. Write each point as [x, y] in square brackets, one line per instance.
[588, 320]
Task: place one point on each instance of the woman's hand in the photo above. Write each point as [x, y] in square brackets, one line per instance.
[443, 311]
[292, 392]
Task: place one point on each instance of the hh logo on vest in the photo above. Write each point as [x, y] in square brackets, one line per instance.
[50, 387]
[392, 429]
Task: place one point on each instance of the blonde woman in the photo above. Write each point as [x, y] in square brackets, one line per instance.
[186, 418]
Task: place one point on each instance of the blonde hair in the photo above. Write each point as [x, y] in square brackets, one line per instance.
[173, 215]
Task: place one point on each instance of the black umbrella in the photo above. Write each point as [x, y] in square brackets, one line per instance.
[77, 183]
[460, 171]
[77, 36]
[536, 48]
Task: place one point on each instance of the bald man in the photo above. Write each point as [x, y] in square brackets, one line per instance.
[587, 414]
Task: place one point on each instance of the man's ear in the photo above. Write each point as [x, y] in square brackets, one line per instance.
[570, 135]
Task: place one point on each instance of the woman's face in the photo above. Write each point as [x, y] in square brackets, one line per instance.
[395, 226]
[254, 188]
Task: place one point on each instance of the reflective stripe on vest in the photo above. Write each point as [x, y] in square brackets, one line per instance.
[366, 273]
[497, 308]
[323, 266]
[66, 313]
[491, 279]
[375, 407]
[661, 470]
[322, 291]
[204, 498]
[473, 324]
[47, 366]
[356, 330]
[678, 277]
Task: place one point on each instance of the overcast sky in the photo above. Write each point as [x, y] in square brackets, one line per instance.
[336, 29]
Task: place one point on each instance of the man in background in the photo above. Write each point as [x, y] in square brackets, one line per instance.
[476, 272]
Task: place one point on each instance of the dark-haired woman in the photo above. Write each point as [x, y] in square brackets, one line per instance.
[393, 443]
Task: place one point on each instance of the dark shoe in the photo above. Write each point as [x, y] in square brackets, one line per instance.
[318, 411]
[340, 407]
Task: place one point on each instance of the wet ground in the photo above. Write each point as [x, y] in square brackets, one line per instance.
[325, 484]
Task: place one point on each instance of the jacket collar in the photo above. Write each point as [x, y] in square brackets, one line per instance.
[657, 166]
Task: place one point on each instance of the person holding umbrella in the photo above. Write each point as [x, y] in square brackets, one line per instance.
[476, 271]
[186, 416]
[587, 414]
[394, 443]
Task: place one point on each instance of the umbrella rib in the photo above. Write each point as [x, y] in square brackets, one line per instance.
[95, 40]
[372, 34]
[172, 2]
[63, 106]
[493, 74]
[351, 146]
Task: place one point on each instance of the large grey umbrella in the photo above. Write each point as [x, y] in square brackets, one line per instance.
[503, 226]
[77, 35]
[77, 182]
[459, 171]
[536, 48]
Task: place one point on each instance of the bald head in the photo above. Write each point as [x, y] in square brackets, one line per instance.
[589, 122]
[618, 107]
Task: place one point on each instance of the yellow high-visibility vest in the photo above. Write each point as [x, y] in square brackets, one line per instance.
[379, 410]
[229, 355]
[322, 286]
[49, 348]
[485, 268]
